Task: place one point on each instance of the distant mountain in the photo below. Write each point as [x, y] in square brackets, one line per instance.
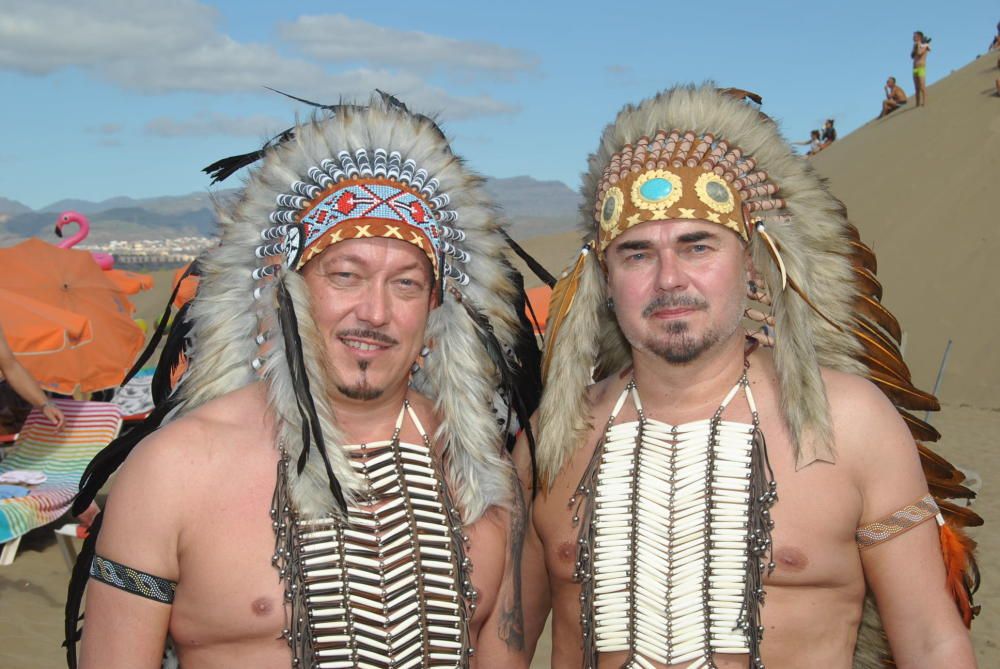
[524, 196]
[124, 224]
[88, 208]
[530, 207]
[9, 207]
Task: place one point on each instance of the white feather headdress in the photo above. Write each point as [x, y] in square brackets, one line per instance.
[236, 337]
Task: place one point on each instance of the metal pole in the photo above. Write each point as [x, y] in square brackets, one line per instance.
[940, 374]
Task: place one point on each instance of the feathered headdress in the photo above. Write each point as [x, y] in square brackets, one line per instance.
[359, 171]
[701, 153]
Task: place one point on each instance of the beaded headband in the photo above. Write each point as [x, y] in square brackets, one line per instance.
[353, 197]
[681, 175]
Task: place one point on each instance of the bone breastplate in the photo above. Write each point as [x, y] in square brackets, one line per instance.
[674, 526]
[389, 587]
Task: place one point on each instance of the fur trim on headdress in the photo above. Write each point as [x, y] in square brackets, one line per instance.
[812, 226]
[460, 376]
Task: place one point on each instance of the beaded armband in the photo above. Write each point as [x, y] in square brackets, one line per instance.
[883, 529]
[132, 580]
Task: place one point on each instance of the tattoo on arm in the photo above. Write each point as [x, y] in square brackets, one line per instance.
[512, 612]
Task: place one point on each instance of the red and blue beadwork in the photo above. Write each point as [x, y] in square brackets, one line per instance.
[374, 208]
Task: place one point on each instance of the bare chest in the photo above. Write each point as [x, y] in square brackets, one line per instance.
[228, 590]
[814, 518]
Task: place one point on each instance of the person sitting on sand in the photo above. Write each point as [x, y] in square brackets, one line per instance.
[814, 142]
[895, 97]
[829, 135]
[921, 47]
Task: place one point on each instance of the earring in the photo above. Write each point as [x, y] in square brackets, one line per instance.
[424, 352]
[611, 304]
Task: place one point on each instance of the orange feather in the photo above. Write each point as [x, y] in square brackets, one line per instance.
[560, 302]
[960, 566]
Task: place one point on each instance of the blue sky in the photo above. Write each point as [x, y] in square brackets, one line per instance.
[132, 97]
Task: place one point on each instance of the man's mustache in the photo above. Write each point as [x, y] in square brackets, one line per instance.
[371, 335]
[673, 302]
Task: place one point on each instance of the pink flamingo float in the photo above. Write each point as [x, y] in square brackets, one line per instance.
[105, 260]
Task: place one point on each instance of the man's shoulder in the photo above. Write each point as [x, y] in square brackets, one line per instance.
[867, 426]
[848, 392]
[200, 434]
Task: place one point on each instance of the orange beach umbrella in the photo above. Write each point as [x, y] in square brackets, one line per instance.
[34, 328]
[539, 298]
[72, 281]
[128, 282]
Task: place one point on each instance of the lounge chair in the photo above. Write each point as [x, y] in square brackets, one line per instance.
[62, 455]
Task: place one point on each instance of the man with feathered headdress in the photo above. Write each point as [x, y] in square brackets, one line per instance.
[664, 516]
[329, 487]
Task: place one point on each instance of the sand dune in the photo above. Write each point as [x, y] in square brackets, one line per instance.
[922, 186]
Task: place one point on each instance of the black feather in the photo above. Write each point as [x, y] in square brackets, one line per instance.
[173, 352]
[110, 458]
[392, 101]
[508, 375]
[536, 267]
[74, 593]
[222, 169]
[334, 108]
[303, 395]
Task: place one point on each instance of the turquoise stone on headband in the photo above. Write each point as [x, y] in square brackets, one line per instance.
[655, 190]
[717, 191]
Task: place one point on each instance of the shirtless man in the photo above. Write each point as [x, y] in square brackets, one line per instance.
[650, 560]
[895, 97]
[334, 260]
[921, 47]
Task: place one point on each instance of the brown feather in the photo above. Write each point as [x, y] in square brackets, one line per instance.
[943, 490]
[885, 342]
[940, 468]
[961, 516]
[876, 347]
[907, 397]
[560, 303]
[852, 232]
[876, 364]
[876, 313]
[920, 430]
[867, 283]
[863, 256]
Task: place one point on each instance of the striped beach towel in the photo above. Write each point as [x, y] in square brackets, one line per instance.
[62, 455]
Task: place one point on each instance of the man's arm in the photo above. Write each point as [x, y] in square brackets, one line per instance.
[906, 572]
[140, 532]
[24, 384]
[523, 603]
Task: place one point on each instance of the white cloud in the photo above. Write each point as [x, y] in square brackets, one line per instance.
[212, 124]
[338, 38]
[156, 47]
